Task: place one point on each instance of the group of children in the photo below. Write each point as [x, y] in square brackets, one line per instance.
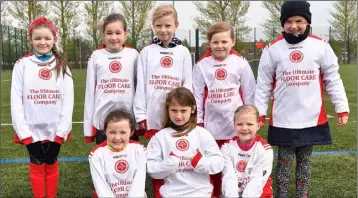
[201, 122]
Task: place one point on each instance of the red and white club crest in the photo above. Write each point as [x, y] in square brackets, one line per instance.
[45, 74]
[121, 166]
[296, 56]
[115, 66]
[166, 61]
[221, 74]
[241, 166]
[182, 144]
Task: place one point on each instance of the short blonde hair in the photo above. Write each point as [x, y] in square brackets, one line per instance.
[165, 10]
[218, 28]
[247, 109]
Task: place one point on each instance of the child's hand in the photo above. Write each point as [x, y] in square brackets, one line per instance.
[262, 120]
[342, 118]
[143, 125]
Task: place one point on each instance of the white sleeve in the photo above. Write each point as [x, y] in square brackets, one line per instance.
[65, 124]
[247, 84]
[198, 91]
[188, 71]
[210, 159]
[259, 175]
[265, 80]
[138, 183]
[98, 178]
[156, 166]
[332, 80]
[89, 97]
[140, 103]
[17, 108]
[230, 181]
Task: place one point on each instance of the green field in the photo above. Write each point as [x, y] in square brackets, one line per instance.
[332, 175]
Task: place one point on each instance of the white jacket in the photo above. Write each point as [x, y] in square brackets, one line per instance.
[41, 102]
[220, 87]
[296, 74]
[110, 85]
[159, 71]
[185, 171]
[247, 169]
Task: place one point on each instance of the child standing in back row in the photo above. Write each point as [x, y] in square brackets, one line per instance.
[42, 105]
[110, 81]
[294, 68]
[223, 80]
[162, 66]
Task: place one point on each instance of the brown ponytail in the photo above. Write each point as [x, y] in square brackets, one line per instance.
[61, 63]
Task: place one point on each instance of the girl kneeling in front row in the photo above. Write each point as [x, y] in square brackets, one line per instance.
[248, 158]
[118, 164]
[183, 154]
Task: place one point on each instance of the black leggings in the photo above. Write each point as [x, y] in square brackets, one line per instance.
[100, 137]
[43, 153]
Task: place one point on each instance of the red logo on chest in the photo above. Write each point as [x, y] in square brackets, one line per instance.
[166, 61]
[296, 56]
[115, 67]
[45, 74]
[182, 144]
[221, 74]
[121, 166]
[241, 165]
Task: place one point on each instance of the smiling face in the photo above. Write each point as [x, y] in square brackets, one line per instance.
[221, 43]
[295, 25]
[118, 134]
[165, 27]
[114, 36]
[42, 39]
[246, 126]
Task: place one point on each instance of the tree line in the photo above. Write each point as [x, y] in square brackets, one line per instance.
[68, 15]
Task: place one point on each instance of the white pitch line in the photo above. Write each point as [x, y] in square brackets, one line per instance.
[328, 116]
[10, 124]
[5, 80]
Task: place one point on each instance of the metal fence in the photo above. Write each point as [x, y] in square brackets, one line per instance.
[14, 45]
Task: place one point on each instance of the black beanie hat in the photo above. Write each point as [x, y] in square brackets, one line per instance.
[295, 8]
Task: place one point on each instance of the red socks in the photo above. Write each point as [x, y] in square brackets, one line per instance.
[51, 177]
[37, 179]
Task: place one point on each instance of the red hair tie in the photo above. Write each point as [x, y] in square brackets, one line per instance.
[42, 20]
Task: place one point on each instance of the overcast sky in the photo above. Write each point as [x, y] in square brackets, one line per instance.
[256, 14]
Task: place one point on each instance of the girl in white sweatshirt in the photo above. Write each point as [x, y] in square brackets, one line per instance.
[183, 154]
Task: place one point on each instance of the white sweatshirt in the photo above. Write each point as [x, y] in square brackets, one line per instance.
[159, 71]
[247, 169]
[217, 86]
[185, 171]
[296, 73]
[41, 103]
[110, 85]
[118, 173]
